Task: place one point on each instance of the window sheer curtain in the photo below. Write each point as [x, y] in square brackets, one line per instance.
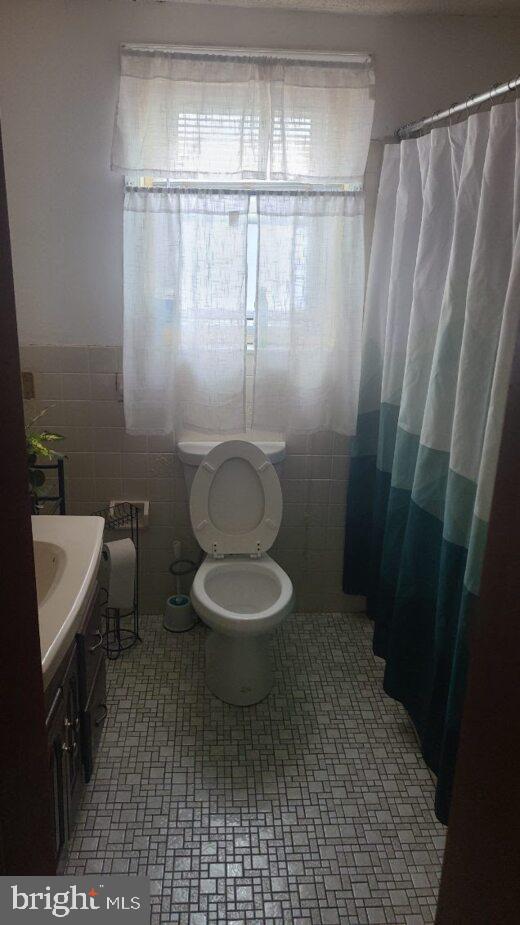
[309, 312]
[203, 117]
[222, 119]
[184, 314]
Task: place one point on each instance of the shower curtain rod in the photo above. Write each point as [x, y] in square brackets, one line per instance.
[498, 90]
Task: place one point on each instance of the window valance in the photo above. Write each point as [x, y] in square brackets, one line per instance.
[221, 117]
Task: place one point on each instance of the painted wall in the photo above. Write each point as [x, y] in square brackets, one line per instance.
[59, 62]
[58, 87]
[78, 386]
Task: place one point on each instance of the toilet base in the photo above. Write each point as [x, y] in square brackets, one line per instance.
[239, 669]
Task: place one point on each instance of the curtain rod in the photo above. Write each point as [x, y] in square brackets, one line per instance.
[284, 54]
[286, 191]
[498, 90]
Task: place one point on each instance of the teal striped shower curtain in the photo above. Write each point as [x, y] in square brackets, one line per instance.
[441, 314]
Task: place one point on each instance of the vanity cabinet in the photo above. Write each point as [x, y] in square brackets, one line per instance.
[64, 738]
[76, 711]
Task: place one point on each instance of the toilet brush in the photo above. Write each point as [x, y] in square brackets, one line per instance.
[179, 615]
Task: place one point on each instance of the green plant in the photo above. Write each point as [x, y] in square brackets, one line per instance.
[38, 448]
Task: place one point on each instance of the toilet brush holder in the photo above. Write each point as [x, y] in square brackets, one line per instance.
[179, 615]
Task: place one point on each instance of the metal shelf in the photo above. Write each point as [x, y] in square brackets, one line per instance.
[122, 629]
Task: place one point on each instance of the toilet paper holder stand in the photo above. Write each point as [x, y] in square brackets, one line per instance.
[121, 629]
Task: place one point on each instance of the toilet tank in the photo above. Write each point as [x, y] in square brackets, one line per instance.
[192, 448]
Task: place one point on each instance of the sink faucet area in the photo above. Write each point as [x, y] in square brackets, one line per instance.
[67, 552]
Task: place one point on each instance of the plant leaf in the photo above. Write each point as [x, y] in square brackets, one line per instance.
[48, 436]
[37, 444]
[41, 450]
[38, 416]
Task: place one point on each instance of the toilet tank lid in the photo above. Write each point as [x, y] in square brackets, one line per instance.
[192, 452]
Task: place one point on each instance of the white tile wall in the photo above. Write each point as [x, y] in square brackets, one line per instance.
[79, 386]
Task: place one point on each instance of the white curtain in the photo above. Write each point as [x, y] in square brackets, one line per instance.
[309, 312]
[442, 338]
[224, 118]
[442, 312]
[321, 121]
[218, 118]
[184, 311]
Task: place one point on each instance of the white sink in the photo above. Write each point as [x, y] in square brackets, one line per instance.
[67, 550]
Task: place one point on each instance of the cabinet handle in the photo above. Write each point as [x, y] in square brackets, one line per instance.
[99, 642]
[70, 749]
[102, 718]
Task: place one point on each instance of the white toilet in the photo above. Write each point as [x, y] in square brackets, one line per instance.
[238, 591]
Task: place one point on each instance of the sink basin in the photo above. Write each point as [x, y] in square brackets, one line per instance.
[49, 562]
[67, 551]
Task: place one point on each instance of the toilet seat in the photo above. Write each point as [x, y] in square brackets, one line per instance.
[236, 501]
[242, 596]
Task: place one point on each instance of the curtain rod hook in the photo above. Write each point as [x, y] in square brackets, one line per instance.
[507, 90]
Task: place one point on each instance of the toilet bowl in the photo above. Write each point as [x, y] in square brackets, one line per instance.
[239, 591]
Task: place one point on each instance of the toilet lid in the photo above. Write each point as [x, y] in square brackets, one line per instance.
[236, 500]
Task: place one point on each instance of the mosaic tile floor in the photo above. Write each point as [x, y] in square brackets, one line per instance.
[313, 807]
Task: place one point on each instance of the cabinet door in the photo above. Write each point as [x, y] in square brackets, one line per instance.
[72, 735]
[60, 775]
[91, 656]
[90, 644]
[94, 719]
[65, 751]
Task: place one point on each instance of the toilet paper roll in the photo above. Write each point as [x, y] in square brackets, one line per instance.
[119, 562]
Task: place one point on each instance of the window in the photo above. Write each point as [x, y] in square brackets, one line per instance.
[259, 247]
[253, 234]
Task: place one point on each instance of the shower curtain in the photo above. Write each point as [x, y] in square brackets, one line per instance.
[441, 314]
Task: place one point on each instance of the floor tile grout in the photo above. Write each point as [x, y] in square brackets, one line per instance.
[313, 807]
